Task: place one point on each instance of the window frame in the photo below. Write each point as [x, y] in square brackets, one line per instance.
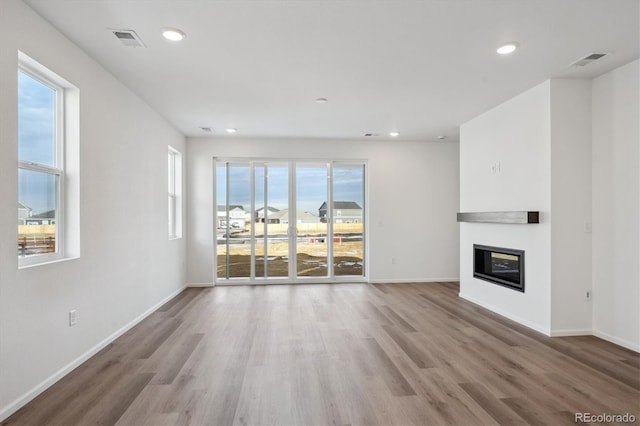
[174, 192]
[47, 78]
[254, 163]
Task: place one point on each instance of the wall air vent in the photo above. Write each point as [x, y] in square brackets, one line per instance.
[591, 57]
[129, 38]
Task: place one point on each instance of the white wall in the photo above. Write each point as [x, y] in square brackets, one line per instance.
[616, 229]
[568, 148]
[420, 177]
[570, 206]
[516, 135]
[127, 266]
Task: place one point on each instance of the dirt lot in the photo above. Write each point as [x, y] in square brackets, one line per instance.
[278, 266]
[311, 260]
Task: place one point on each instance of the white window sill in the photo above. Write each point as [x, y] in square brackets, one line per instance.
[46, 262]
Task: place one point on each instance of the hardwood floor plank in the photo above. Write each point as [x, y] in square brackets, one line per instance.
[384, 367]
[500, 412]
[532, 417]
[172, 363]
[498, 333]
[374, 354]
[416, 355]
[112, 405]
[154, 339]
[397, 319]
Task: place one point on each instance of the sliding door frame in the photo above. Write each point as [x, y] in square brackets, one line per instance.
[292, 219]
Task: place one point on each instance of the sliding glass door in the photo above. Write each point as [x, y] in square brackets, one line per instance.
[291, 221]
[312, 190]
[271, 226]
[348, 219]
[233, 189]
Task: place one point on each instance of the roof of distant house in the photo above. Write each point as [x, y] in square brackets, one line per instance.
[22, 206]
[231, 207]
[49, 214]
[347, 205]
[284, 213]
[269, 208]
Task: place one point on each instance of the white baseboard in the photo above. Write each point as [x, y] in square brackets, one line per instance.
[21, 401]
[571, 332]
[200, 285]
[379, 281]
[412, 280]
[526, 323]
[618, 341]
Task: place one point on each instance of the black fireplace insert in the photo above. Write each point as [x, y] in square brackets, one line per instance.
[499, 265]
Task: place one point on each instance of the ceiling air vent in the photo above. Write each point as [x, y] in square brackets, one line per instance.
[371, 134]
[129, 38]
[592, 57]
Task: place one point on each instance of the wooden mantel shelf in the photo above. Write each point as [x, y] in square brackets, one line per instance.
[500, 217]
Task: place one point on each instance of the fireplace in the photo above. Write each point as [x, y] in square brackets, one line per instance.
[499, 265]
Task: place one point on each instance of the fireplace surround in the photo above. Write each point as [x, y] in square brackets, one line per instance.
[502, 266]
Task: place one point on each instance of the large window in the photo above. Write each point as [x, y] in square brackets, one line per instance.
[174, 190]
[47, 165]
[289, 220]
[40, 166]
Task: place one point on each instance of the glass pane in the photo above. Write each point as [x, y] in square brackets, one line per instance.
[311, 233]
[171, 193]
[172, 216]
[221, 240]
[36, 121]
[271, 220]
[348, 218]
[171, 173]
[505, 266]
[233, 238]
[37, 212]
[260, 223]
[277, 217]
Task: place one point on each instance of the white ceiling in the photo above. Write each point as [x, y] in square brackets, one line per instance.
[421, 67]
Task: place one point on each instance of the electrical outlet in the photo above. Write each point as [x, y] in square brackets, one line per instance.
[73, 318]
[588, 295]
[393, 260]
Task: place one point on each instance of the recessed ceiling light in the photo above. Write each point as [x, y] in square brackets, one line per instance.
[507, 48]
[173, 34]
[231, 130]
[394, 134]
[321, 100]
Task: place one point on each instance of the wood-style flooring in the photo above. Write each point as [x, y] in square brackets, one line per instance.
[338, 354]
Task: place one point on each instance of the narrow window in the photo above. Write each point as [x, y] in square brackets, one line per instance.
[40, 167]
[174, 187]
[48, 165]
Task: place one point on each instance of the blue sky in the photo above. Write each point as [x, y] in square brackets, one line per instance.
[311, 186]
[36, 142]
